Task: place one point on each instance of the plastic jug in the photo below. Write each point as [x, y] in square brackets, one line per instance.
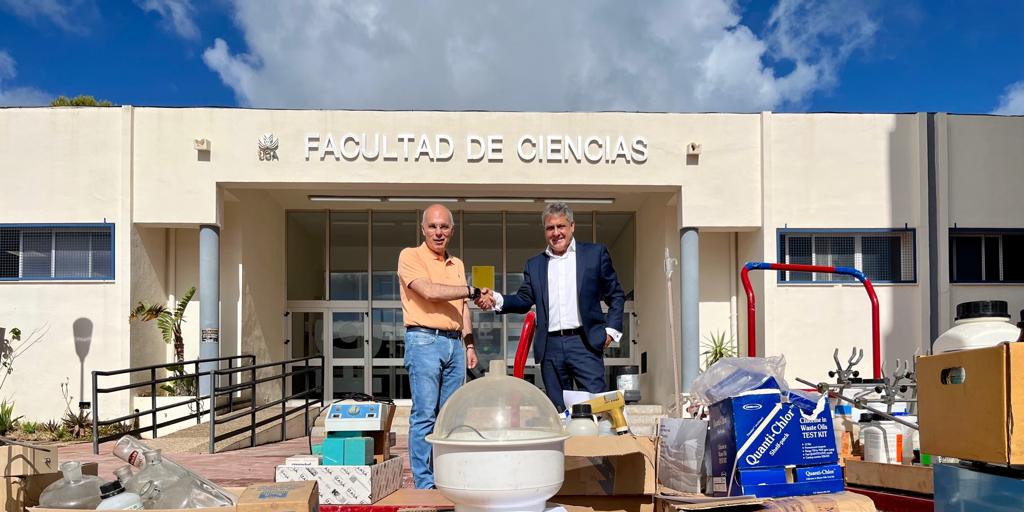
[582, 422]
[978, 324]
[883, 442]
[75, 490]
[116, 498]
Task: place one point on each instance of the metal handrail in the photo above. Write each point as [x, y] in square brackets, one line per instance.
[876, 338]
[282, 376]
[152, 383]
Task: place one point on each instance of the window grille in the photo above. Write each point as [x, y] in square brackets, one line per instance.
[48, 252]
[884, 256]
[986, 256]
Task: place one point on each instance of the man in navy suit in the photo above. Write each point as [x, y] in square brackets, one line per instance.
[567, 283]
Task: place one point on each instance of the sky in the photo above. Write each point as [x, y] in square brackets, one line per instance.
[523, 55]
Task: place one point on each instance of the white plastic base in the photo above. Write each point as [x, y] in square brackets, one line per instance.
[499, 477]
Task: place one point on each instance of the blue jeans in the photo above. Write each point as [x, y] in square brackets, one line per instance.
[437, 367]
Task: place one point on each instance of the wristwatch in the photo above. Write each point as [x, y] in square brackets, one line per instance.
[474, 293]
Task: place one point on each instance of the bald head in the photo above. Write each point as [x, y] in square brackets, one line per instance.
[438, 225]
[438, 209]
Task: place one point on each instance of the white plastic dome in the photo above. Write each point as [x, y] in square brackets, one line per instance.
[497, 408]
[498, 446]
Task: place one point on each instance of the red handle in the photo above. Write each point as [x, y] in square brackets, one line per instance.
[876, 337]
[525, 340]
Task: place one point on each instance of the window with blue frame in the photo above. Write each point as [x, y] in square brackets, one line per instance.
[986, 256]
[885, 256]
[31, 252]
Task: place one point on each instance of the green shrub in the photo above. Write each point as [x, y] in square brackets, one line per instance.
[7, 417]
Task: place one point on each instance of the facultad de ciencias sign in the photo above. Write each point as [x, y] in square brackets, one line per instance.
[407, 147]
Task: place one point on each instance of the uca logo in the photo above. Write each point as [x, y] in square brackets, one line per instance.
[267, 147]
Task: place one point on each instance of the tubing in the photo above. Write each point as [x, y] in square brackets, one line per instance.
[876, 338]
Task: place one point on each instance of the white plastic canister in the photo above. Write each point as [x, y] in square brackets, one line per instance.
[978, 324]
[882, 442]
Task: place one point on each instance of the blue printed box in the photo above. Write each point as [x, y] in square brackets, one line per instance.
[758, 431]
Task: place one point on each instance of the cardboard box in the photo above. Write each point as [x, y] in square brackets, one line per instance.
[916, 479]
[279, 497]
[348, 485]
[26, 459]
[20, 492]
[609, 466]
[416, 498]
[973, 419]
[606, 503]
[837, 502]
[760, 442]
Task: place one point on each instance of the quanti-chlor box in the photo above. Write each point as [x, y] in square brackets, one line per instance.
[765, 447]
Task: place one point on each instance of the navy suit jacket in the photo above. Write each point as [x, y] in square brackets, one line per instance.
[595, 282]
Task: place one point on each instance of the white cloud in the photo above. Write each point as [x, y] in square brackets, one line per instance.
[177, 15]
[658, 55]
[17, 96]
[70, 15]
[1011, 103]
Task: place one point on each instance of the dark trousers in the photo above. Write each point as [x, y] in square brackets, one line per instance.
[567, 359]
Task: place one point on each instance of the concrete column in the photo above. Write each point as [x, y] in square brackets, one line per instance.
[209, 301]
[689, 325]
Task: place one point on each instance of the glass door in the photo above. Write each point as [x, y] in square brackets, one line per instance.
[305, 338]
[349, 355]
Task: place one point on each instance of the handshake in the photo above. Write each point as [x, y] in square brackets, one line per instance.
[486, 299]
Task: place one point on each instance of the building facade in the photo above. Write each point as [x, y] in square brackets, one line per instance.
[103, 208]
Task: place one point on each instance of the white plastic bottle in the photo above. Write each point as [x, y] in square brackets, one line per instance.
[978, 324]
[116, 498]
[582, 422]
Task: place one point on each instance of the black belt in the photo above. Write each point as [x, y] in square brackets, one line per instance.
[436, 332]
[567, 332]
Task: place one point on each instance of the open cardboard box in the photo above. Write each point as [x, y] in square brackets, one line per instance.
[261, 497]
[20, 492]
[970, 415]
[25, 459]
[609, 466]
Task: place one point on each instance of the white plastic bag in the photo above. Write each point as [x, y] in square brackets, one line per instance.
[681, 453]
[731, 376]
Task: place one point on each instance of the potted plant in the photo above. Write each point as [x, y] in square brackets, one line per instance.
[716, 346]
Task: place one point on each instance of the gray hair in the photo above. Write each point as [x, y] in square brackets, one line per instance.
[451, 217]
[559, 209]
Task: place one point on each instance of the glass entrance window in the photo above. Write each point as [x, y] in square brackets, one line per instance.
[392, 232]
[306, 241]
[388, 334]
[349, 260]
[348, 335]
[349, 256]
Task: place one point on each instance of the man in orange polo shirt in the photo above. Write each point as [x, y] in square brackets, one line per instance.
[437, 321]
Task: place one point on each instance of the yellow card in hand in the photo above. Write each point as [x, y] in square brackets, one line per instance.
[483, 276]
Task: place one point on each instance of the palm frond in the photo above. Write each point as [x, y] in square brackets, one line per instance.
[179, 311]
[166, 324]
[146, 312]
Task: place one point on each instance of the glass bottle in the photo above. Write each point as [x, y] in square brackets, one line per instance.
[75, 490]
[204, 492]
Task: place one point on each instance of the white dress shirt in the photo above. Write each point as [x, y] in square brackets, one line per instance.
[563, 305]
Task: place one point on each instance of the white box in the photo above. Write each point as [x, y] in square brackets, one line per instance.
[348, 485]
